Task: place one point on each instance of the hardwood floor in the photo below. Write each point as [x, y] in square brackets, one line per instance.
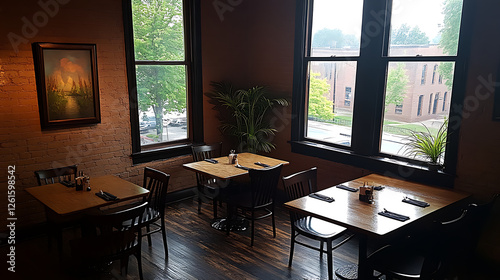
[196, 251]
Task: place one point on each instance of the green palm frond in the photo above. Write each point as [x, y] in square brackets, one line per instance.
[425, 144]
[248, 110]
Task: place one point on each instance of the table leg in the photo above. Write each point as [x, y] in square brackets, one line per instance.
[360, 271]
[363, 272]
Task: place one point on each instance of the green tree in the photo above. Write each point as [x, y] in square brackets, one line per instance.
[449, 37]
[319, 106]
[334, 38]
[159, 36]
[397, 82]
[404, 35]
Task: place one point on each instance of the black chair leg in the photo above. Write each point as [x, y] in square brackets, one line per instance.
[214, 202]
[321, 249]
[149, 235]
[199, 203]
[329, 259]
[139, 265]
[292, 247]
[274, 224]
[253, 229]
[164, 236]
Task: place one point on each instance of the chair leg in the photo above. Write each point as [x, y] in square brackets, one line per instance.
[321, 249]
[253, 227]
[149, 235]
[199, 202]
[214, 202]
[139, 265]
[124, 265]
[164, 236]
[329, 259]
[292, 246]
[274, 224]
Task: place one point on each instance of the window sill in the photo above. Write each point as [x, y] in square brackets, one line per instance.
[161, 153]
[381, 165]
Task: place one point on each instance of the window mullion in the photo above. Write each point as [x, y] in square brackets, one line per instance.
[368, 104]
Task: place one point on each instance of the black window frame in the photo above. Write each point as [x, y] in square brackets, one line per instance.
[368, 108]
[192, 22]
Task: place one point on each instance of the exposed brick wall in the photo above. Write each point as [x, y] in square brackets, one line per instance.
[98, 149]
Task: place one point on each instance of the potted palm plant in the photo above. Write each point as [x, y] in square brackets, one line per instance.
[428, 146]
[247, 110]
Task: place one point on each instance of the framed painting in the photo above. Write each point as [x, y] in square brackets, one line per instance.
[67, 86]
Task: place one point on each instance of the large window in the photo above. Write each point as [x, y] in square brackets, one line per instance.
[161, 79]
[380, 50]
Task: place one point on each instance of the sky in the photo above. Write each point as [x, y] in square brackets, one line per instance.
[346, 15]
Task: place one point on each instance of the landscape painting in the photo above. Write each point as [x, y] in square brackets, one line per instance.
[67, 84]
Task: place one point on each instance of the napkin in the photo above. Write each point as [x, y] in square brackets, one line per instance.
[211, 160]
[262, 164]
[347, 188]
[322, 197]
[242, 167]
[393, 215]
[68, 184]
[106, 196]
[416, 202]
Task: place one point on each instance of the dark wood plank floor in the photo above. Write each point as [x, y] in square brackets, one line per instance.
[196, 251]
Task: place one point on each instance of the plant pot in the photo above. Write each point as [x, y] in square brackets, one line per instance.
[434, 166]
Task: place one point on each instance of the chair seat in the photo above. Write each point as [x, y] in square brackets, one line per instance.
[399, 261]
[317, 228]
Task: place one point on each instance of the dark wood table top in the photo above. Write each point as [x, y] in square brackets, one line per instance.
[64, 200]
[223, 170]
[348, 211]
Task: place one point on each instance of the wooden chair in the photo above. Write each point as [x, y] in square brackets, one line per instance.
[105, 239]
[259, 198]
[430, 259]
[56, 175]
[301, 184]
[56, 223]
[157, 183]
[207, 187]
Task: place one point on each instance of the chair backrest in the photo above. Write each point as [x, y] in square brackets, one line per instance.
[298, 185]
[445, 242]
[263, 183]
[104, 236]
[157, 183]
[478, 215]
[203, 152]
[56, 175]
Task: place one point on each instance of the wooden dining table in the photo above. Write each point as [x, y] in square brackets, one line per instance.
[225, 172]
[67, 201]
[363, 218]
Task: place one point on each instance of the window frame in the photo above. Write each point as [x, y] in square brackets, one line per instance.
[368, 108]
[194, 100]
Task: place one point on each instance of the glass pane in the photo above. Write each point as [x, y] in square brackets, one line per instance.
[425, 27]
[161, 92]
[331, 101]
[411, 105]
[158, 30]
[336, 28]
